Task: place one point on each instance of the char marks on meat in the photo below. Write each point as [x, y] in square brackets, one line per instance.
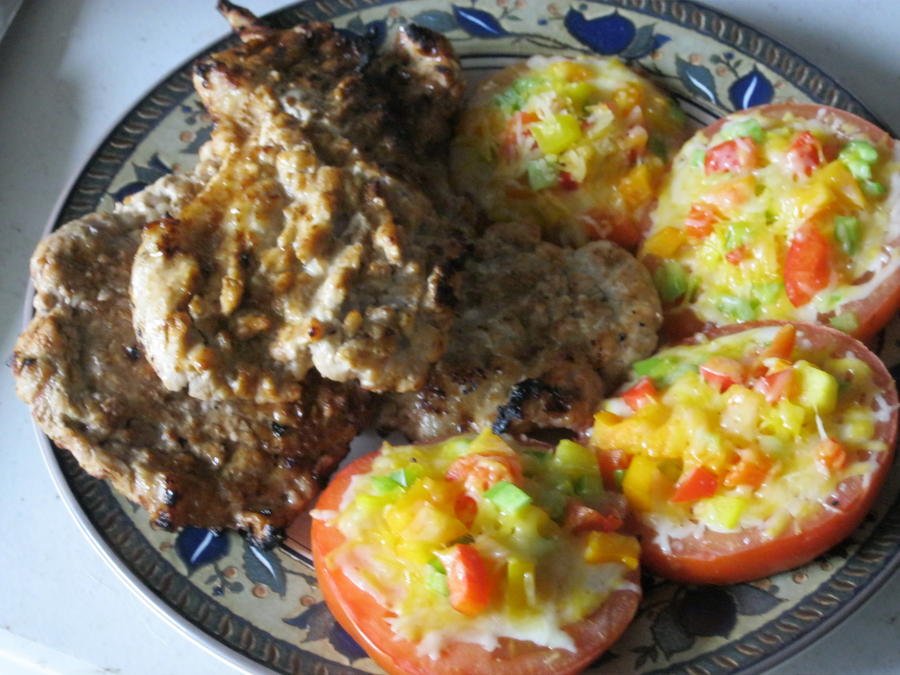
[231, 464]
[543, 333]
[315, 242]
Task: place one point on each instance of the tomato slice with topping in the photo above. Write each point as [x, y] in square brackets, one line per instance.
[367, 620]
[726, 552]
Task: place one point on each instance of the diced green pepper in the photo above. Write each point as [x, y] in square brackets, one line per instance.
[656, 367]
[862, 150]
[873, 189]
[541, 174]
[847, 232]
[748, 127]
[698, 157]
[671, 280]
[384, 485]
[407, 475]
[740, 309]
[514, 97]
[768, 292]
[846, 322]
[619, 476]
[588, 486]
[572, 457]
[737, 234]
[436, 580]
[507, 497]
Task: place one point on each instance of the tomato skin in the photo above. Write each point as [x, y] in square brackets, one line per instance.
[807, 266]
[736, 557]
[366, 621]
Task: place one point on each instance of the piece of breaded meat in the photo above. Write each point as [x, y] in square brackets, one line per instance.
[326, 236]
[233, 464]
[543, 333]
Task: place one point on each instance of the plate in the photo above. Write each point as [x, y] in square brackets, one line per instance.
[253, 607]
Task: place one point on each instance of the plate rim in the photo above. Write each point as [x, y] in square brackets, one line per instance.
[293, 12]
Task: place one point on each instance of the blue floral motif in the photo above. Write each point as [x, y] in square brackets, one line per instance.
[606, 35]
[478, 23]
[198, 547]
[435, 19]
[697, 79]
[144, 176]
[264, 567]
[750, 90]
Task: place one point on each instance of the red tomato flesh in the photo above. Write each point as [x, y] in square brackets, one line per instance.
[805, 154]
[699, 484]
[367, 621]
[641, 394]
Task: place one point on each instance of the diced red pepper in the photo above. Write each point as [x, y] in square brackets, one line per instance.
[468, 580]
[831, 455]
[776, 386]
[479, 473]
[721, 372]
[807, 266]
[699, 484]
[641, 394]
[736, 255]
[782, 344]
[580, 518]
[466, 509]
[805, 154]
[734, 156]
[751, 469]
[566, 182]
[699, 222]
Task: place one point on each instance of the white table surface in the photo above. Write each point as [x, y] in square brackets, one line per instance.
[68, 70]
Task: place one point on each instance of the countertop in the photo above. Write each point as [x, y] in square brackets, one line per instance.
[68, 70]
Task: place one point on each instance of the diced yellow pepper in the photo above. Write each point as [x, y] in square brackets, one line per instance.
[604, 419]
[785, 420]
[489, 443]
[818, 389]
[722, 512]
[606, 547]
[425, 523]
[577, 92]
[521, 589]
[664, 243]
[645, 485]
[858, 425]
[556, 134]
[635, 186]
[837, 177]
[569, 71]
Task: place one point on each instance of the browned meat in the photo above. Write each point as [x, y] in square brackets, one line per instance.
[314, 244]
[188, 462]
[543, 332]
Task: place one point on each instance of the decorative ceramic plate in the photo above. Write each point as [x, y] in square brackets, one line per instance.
[263, 607]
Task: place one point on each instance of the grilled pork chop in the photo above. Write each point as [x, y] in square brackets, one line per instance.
[543, 333]
[314, 244]
[188, 462]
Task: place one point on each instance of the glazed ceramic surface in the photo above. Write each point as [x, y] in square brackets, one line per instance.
[264, 605]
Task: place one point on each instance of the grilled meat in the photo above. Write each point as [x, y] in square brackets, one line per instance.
[188, 462]
[543, 333]
[315, 242]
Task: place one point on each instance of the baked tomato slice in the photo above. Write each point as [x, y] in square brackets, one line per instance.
[366, 619]
[829, 438]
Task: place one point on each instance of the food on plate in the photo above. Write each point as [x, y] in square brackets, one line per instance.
[326, 235]
[578, 145]
[476, 555]
[780, 212]
[750, 450]
[80, 367]
[543, 333]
